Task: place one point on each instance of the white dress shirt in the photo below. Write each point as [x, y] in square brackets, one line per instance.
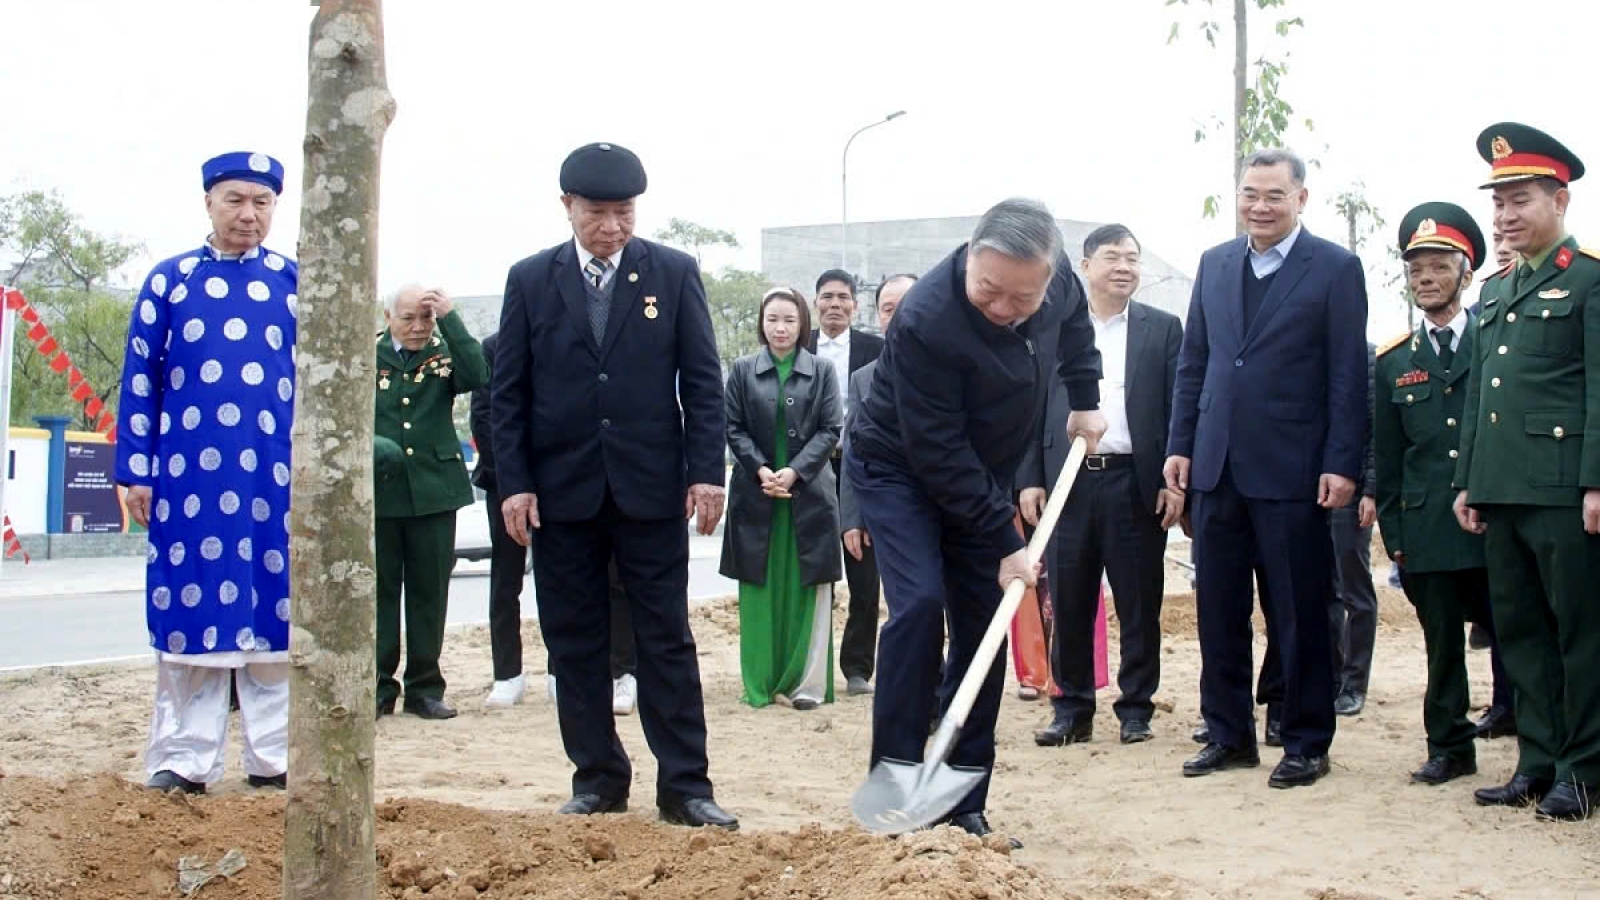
[583, 260]
[837, 351]
[1111, 339]
[1457, 326]
[1275, 256]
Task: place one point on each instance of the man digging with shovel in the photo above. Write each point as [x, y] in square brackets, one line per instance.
[932, 455]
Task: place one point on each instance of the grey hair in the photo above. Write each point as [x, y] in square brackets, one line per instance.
[393, 297]
[1272, 156]
[1019, 228]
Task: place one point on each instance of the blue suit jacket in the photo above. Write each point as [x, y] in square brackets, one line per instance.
[1285, 401]
[571, 416]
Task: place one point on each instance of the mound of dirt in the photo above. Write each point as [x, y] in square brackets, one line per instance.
[101, 838]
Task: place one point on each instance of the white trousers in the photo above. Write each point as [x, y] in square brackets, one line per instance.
[814, 680]
[189, 727]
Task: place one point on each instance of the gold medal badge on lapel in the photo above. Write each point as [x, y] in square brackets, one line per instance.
[383, 380]
[650, 311]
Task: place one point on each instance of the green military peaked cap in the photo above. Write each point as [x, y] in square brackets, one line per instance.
[388, 460]
[1517, 152]
[1442, 226]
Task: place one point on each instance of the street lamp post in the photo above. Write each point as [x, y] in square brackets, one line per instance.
[844, 190]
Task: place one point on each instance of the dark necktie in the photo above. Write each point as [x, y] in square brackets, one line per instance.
[1447, 353]
[599, 306]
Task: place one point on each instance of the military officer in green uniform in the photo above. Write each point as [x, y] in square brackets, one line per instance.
[1529, 472]
[425, 358]
[1419, 393]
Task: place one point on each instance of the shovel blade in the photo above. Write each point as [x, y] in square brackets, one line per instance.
[900, 796]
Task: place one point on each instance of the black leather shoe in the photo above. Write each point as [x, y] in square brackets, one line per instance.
[591, 804]
[1440, 769]
[1569, 801]
[1497, 722]
[1201, 735]
[281, 782]
[1521, 790]
[1298, 771]
[976, 824]
[1349, 703]
[1478, 637]
[168, 780]
[429, 708]
[1215, 758]
[697, 812]
[1274, 735]
[1064, 729]
[1136, 731]
[385, 708]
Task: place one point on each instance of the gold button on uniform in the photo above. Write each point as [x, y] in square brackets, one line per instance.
[1454, 454]
[1449, 390]
[1450, 422]
[1502, 351]
[1494, 418]
[406, 425]
[410, 451]
[1494, 382]
[1545, 314]
[1559, 432]
[1511, 317]
[1410, 398]
[405, 401]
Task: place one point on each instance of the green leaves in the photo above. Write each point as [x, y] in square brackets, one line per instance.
[734, 296]
[64, 269]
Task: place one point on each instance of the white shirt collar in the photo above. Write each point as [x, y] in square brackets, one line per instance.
[1119, 317]
[584, 255]
[843, 340]
[1457, 326]
[1281, 248]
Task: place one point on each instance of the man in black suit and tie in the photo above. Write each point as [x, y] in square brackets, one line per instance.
[1268, 431]
[848, 349]
[601, 337]
[1115, 523]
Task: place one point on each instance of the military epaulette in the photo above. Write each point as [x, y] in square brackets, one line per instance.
[1590, 252]
[1506, 270]
[1394, 342]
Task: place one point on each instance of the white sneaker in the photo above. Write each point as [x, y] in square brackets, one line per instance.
[624, 692]
[505, 694]
[550, 687]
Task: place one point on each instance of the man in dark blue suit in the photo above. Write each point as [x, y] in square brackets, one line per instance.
[1268, 428]
[608, 432]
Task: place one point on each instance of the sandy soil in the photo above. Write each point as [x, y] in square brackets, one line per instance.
[469, 802]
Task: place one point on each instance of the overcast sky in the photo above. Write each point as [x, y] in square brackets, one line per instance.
[740, 110]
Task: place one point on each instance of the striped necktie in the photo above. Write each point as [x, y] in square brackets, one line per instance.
[596, 269]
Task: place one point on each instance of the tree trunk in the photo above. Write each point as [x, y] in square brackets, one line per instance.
[1241, 65]
[328, 850]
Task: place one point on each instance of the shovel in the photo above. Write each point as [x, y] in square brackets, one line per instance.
[901, 796]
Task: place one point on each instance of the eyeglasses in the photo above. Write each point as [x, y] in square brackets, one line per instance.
[1272, 198]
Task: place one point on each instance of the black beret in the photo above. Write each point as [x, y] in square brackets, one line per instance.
[1442, 226]
[602, 172]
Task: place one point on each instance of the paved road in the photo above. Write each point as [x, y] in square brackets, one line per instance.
[67, 612]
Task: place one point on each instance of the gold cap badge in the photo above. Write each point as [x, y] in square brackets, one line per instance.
[1500, 148]
[1427, 228]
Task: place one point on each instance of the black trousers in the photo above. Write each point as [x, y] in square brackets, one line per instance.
[574, 598]
[1289, 542]
[931, 571]
[859, 644]
[1353, 618]
[507, 564]
[1105, 528]
[624, 655]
